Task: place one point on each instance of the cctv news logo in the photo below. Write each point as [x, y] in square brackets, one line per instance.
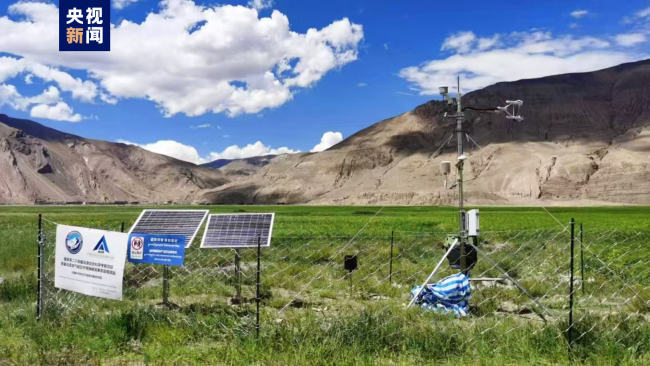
[84, 25]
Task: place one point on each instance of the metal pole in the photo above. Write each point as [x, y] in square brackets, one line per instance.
[390, 273]
[238, 273]
[39, 289]
[461, 213]
[166, 285]
[582, 264]
[122, 228]
[257, 297]
[570, 330]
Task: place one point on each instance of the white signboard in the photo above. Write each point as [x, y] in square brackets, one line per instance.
[90, 261]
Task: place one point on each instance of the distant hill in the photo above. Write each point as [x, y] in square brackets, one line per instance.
[40, 164]
[244, 166]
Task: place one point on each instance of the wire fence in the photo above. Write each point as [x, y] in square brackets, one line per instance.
[587, 291]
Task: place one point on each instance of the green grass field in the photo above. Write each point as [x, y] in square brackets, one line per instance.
[329, 322]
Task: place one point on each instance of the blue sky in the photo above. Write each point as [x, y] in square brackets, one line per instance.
[279, 79]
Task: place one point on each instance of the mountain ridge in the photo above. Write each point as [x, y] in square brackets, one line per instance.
[585, 140]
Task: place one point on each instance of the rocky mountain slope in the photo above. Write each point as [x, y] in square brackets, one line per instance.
[585, 140]
[40, 164]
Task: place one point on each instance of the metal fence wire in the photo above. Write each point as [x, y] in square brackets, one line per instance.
[578, 289]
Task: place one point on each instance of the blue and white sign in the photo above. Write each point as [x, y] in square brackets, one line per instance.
[157, 249]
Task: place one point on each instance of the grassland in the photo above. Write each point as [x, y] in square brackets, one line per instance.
[334, 323]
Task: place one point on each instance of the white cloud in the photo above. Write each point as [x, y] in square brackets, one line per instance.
[8, 95]
[487, 43]
[361, 85]
[10, 67]
[460, 42]
[260, 4]
[643, 13]
[385, 46]
[50, 95]
[220, 59]
[206, 125]
[328, 140]
[171, 148]
[190, 154]
[28, 79]
[574, 25]
[121, 4]
[57, 112]
[630, 39]
[250, 150]
[579, 13]
[518, 56]
[48, 104]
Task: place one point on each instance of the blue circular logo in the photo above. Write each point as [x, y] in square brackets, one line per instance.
[73, 242]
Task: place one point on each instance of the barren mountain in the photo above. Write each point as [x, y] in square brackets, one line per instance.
[585, 140]
[40, 164]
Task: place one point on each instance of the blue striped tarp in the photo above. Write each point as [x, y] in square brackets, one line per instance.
[451, 294]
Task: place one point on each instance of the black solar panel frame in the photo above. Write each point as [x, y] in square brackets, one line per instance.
[250, 240]
[170, 231]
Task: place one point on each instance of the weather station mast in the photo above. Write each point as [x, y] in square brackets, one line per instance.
[460, 158]
[468, 223]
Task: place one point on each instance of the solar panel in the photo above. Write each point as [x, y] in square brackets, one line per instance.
[238, 230]
[178, 222]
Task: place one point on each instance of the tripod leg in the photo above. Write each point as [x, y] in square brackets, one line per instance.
[433, 273]
[519, 286]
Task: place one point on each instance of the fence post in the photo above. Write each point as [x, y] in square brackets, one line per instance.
[39, 290]
[582, 264]
[390, 274]
[238, 273]
[257, 296]
[122, 227]
[570, 330]
[166, 286]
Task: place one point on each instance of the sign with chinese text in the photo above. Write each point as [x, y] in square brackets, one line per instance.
[157, 249]
[90, 261]
[84, 25]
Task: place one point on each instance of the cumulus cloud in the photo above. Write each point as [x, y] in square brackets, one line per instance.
[250, 150]
[460, 42]
[190, 154]
[218, 58]
[630, 39]
[579, 13]
[50, 95]
[47, 105]
[515, 56]
[260, 4]
[121, 4]
[644, 13]
[328, 140]
[10, 67]
[58, 112]
[171, 148]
